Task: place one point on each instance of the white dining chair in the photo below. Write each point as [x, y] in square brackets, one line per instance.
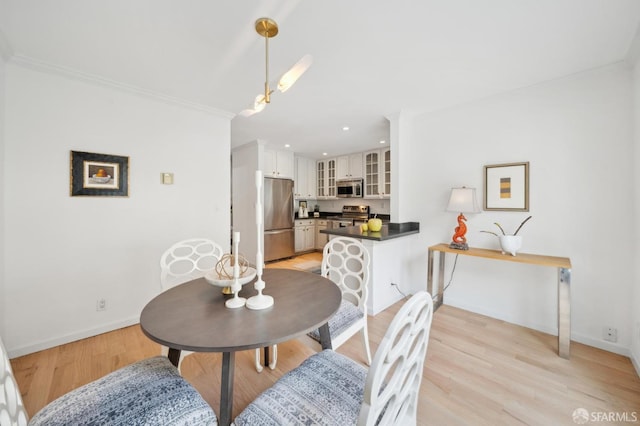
[345, 261]
[272, 361]
[185, 261]
[150, 391]
[331, 389]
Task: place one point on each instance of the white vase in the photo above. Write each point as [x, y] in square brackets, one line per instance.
[510, 244]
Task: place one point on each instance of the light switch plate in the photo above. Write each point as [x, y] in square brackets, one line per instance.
[167, 178]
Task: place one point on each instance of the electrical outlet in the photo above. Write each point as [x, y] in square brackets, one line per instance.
[101, 305]
[610, 334]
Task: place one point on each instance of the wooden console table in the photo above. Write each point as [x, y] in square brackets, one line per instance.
[564, 281]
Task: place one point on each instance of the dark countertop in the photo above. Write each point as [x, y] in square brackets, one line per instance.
[326, 215]
[388, 231]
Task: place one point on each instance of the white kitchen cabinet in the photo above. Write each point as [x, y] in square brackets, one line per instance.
[279, 164]
[349, 166]
[321, 239]
[304, 235]
[305, 179]
[326, 178]
[311, 179]
[377, 174]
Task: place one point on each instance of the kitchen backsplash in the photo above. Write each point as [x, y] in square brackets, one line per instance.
[375, 206]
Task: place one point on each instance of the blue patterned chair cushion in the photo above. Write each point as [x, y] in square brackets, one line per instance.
[347, 314]
[148, 392]
[326, 389]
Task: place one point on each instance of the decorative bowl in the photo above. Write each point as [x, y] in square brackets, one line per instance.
[213, 278]
[101, 179]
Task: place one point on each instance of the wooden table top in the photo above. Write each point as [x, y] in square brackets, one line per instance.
[533, 259]
[192, 316]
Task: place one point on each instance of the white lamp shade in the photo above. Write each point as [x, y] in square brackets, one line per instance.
[463, 200]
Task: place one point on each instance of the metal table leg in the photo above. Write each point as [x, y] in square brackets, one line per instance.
[325, 336]
[564, 312]
[441, 279]
[226, 388]
[440, 298]
[430, 272]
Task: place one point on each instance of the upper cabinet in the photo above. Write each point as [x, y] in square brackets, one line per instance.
[377, 173]
[305, 178]
[326, 178]
[349, 166]
[279, 164]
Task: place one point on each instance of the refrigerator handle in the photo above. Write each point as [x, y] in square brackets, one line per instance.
[279, 231]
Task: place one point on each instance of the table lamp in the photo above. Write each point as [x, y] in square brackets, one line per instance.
[462, 200]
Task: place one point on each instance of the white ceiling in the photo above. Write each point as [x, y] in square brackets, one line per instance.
[372, 58]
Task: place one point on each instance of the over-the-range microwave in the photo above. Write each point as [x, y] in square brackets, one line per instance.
[349, 188]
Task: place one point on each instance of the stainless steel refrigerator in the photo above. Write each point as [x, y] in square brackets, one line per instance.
[278, 219]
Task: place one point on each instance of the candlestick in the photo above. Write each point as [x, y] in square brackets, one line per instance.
[260, 301]
[236, 302]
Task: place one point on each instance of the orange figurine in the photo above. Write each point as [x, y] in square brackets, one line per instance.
[459, 240]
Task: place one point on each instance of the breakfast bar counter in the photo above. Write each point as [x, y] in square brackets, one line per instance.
[390, 250]
[388, 231]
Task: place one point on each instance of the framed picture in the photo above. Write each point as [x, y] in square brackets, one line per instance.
[99, 175]
[506, 187]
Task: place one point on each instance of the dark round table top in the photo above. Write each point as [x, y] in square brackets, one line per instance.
[192, 316]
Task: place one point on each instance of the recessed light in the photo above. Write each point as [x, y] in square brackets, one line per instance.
[383, 141]
[324, 153]
[345, 128]
[286, 145]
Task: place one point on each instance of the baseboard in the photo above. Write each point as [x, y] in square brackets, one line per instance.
[635, 360]
[601, 344]
[61, 340]
[586, 340]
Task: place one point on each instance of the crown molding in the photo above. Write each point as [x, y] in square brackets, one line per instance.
[49, 68]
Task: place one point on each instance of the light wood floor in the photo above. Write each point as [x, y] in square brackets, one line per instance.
[479, 371]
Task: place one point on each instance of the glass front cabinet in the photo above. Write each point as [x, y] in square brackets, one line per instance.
[326, 178]
[377, 174]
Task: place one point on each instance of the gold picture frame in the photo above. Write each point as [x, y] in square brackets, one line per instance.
[506, 187]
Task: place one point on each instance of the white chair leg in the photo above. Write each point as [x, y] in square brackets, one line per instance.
[258, 363]
[164, 351]
[180, 363]
[274, 357]
[365, 341]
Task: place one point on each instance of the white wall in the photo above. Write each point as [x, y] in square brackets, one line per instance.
[246, 159]
[3, 299]
[576, 133]
[62, 253]
[635, 347]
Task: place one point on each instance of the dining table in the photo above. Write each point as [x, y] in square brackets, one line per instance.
[192, 316]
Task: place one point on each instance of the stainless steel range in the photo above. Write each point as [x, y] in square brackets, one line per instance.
[351, 215]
